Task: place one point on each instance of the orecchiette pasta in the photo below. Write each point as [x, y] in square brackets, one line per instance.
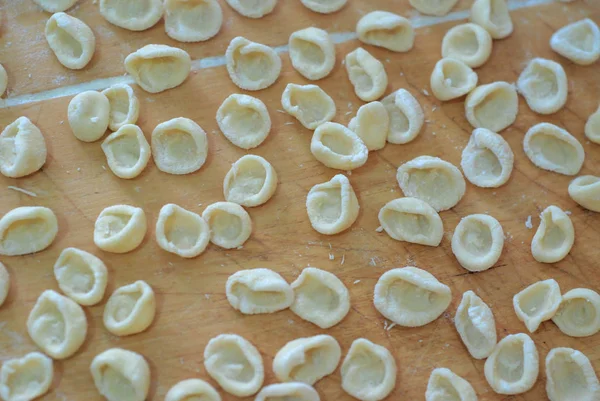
[487, 160]
[291, 391]
[192, 389]
[309, 104]
[130, 309]
[570, 376]
[55, 6]
[251, 181]
[121, 375]
[543, 84]
[22, 149]
[387, 30]
[71, 40]
[324, 6]
[412, 220]
[124, 106]
[554, 237]
[157, 68]
[451, 78]
[445, 385]
[120, 228]
[26, 378]
[244, 120]
[255, 291]
[192, 21]
[406, 116]
[579, 313]
[477, 242]
[585, 190]
[230, 225]
[332, 206]
[81, 276]
[367, 74]
[433, 7]
[493, 106]
[338, 147]
[179, 146]
[135, 15]
[3, 80]
[469, 43]
[88, 115]
[537, 303]
[494, 16]
[312, 52]
[27, 229]
[252, 66]
[254, 9]
[181, 232]
[127, 151]
[371, 124]
[476, 326]
[578, 41]
[592, 127]
[4, 283]
[552, 148]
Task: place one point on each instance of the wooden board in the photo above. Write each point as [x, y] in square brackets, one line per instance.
[192, 306]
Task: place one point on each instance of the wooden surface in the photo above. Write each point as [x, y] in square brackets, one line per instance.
[192, 306]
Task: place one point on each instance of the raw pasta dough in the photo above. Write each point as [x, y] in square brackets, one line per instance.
[22, 149]
[81, 276]
[494, 16]
[554, 237]
[570, 376]
[412, 220]
[88, 115]
[368, 371]
[192, 390]
[192, 20]
[4, 283]
[257, 291]
[3, 80]
[71, 40]
[234, 363]
[307, 360]
[324, 6]
[121, 375]
[477, 242]
[371, 124]
[432, 180]
[367, 74]
[179, 146]
[493, 106]
[127, 151]
[585, 190]
[578, 41]
[320, 297]
[244, 120]
[181, 232]
[487, 160]
[332, 206]
[124, 106]
[406, 116]
[579, 313]
[445, 385]
[433, 7]
[135, 15]
[451, 78]
[252, 181]
[543, 84]
[253, 9]
[338, 147]
[312, 53]
[592, 127]
[537, 303]
[57, 325]
[55, 6]
[157, 68]
[309, 104]
[252, 66]
[387, 30]
[469, 43]
[130, 309]
[287, 391]
[120, 228]
[552, 148]
[230, 225]
[26, 378]
[27, 229]
[474, 322]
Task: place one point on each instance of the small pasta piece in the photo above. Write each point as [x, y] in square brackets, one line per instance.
[181, 232]
[156, 68]
[252, 181]
[256, 291]
[469, 43]
[130, 309]
[543, 84]
[26, 378]
[88, 115]
[179, 146]
[190, 389]
[367, 74]
[579, 313]
[254, 9]
[552, 148]
[585, 190]
[337, 147]
[120, 228]
[332, 206]
[387, 30]
[57, 325]
[487, 160]
[570, 376]
[121, 375]
[27, 229]
[244, 120]
[312, 53]
[578, 41]
[406, 116]
[451, 78]
[438, 8]
[22, 149]
[554, 237]
[371, 124]
[55, 6]
[494, 16]
[307, 360]
[537, 303]
[368, 371]
[412, 220]
[127, 151]
[252, 66]
[477, 242]
[493, 106]
[309, 104]
[134, 15]
[124, 106]
[71, 40]
[592, 127]
[324, 6]
[287, 391]
[192, 20]
[4, 283]
[230, 225]
[3, 80]
[446, 385]
[81, 276]
[474, 322]
[432, 180]
[514, 365]
[320, 297]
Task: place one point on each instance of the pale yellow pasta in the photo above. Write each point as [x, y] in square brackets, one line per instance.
[578, 41]
[543, 84]
[387, 30]
[332, 206]
[124, 106]
[469, 43]
[71, 40]
[26, 378]
[371, 124]
[179, 146]
[494, 16]
[157, 68]
[477, 242]
[570, 376]
[256, 291]
[312, 53]
[27, 229]
[406, 116]
[324, 6]
[493, 106]
[4, 283]
[579, 313]
[192, 20]
[55, 6]
[253, 9]
[130, 309]
[585, 190]
[244, 120]
[230, 225]
[22, 149]
[487, 160]
[411, 220]
[309, 104]
[445, 385]
[193, 389]
[367, 74]
[553, 148]
[252, 181]
[537, 303]
[338, 147]
[181, 231]
[81, 276]
[476, 325]
[592, 127]
[88, 115]
[127, 151]
[121, 375]
[451, 78]
[135, 15]
[554, 237]
[120, 228]
[252, 66]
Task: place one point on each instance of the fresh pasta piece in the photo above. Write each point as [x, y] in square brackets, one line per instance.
[332, 206]
[57, 325]
[27, 229]
[493, 106]
[438, 8]
[585, 190]
[156, 68]
[307, 360]
[324, 6]
[451, 78]
[124, 106]
[579, 313]
[244, 120]
[578, 41]
[494, 16]
[127, 151]
[513, 366]
[55, 6]
[432, 180]
[387, 30]
[554, 237]
[474, 322]
[134, 15]
[252, 181]
[570, 376]
[3, 80]
[120, 228]
[192, 20]
[252, 66]
[253, 9]
[22, 149]
[130, 309]
[71, 40]
[26, 378]
[179, 146]
[445, 385]
[234, 363]
[367, 74]
[412, 220]
[309, 104]
[192, 389]
[121, 375]
[81, 276]
[543, 84]
[368, 371]
[230, 225]
[487, 160]
[338, 147]
[287, 391]
[371, 124]
[4, 283]
[469, 43]
[552, 148]
[406, 116]
[312, 53]
[592, 127]
[477, 242]
[320, 297]
[88, 115]
[256, 291]
[181, 232]
[537, 303]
